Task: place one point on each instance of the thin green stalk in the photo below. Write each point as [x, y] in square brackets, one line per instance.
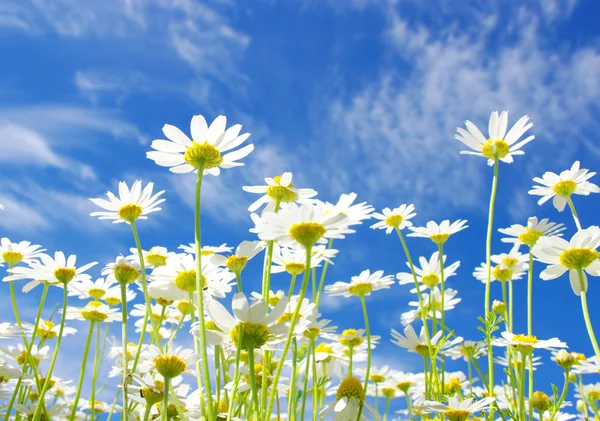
[530, 295]
[574, 212]
[199, 284]
[368, 331]
[292, 282]
[292, 391]
[236, 375]
[315, 381]
[314, 284]
[238, 278]
[82, 372]
[165, 402]
[580, 378]
[470, 371]
[305, 383]
[218, 372]
[124, 350]
[290, 333]
[586, 315]
[522, 388]
[530, 360]
[253, 380]
[351, 358]
[95, 375]
[408, 406]
[387, 408]
[266, 364]
[377, 398]
[179, 324]
[323, 272]
[269, 263]
[441, 257]
[197, 351]
[114, 404]
[147, 413]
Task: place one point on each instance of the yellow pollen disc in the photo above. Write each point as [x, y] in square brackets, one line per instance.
[431, 280]
[509, 262]
[388, 392]
[377, 378]
[96, 293]
[12, 257]
[439, 238]
[202, 155]
[594, 395]
[236, 263]
[156, 260]
[352, 342]
[422, 350]
[281, 193]
[404, 386]
[453, 386]
[112, 301]
[130, 212]
[579, 356]
[360, 289]
[21, 358]
[285, 317]
[45, 330]
[324, 348]
[125, 273]
[530, 237]
[312, 333]
[565, 188]
[349, 332]
[457, 414]
[164, 302]
[307, 233]
[65, 275]
[540, 401]
[184, 307]
[527, 339]
[169, 365]
[274, 300]
[186, 281]
[294, 268]
[502, 274]
[495, 149]
[394, 220]
[93, 315]
[351, 388]
[578, 258]
[152, 395]
[253, 335]
[206, 252]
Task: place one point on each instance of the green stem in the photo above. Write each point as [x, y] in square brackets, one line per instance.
[574, 212]
[165, 404]
[377, 398]
[238, 278]
[530, 360]
[368, 330]
[95, 376]
[522, 388]
[236, 375]
[305, 382]
[315, 381]
[269, 264]
[441, 257]
[322, 281]
[291, 331]
[314, 283]
[253, 380]
[82, 373]
[197, 351]
[470, 371]
[292, 282]
[530, 295]
[387, 408]
[124, 350]
[147, 413]
[586, 317]
[408, 405]
[351, 358]
[292, 391]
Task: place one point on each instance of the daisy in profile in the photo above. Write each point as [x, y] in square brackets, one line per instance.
[361, 285]
[350, 400]
[413, 343]
[47, 329]
[457, 409]
[429, 274]
[85, 289]
[356, 213]
[306, 225]
[506, 267]
[530, 234]
[237, 262]
[500, 145]
[433, 303]
[155, 257]
[13, 253]
[204, 150]
[209, 251]
[578, 254]
[131, 205]
[113, 295]
[122, 270]
[293, 259]
[94, 311]
[517, 363]
[527, 343]
[439, 234]
[169, 364]
[467, 350]
[279, 189]
[397, 218]
[560, 187]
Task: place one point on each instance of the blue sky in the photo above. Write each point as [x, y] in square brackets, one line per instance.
[356, 95]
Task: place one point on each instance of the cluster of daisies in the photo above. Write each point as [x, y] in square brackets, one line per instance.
[195, 343]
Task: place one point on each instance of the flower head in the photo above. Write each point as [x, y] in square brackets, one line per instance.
[429, 274]
[457, 410]
[439, 234]
[527, 343]
[168, 364]
[397, 218]
[530, 234]
[131, 205]
[361, 285]
[13, 253]
[279, 189]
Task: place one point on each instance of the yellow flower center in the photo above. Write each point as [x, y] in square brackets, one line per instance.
[509, 262]
[281, 193]
[90, 313]
[404, 386]
[394, 220]
[130, 212]
[360, 289]
[565, 188]
[164, 302]
[388, 392]
[112, 301]
[453, 386]
[253, 335]
[495, 149]
[65, 275]
[312, 333]
[274, 300]
[594, 395]
[578, 258]
[351, 388]
[210, 325]
[377, 378]
[502, 274]
[294, 268]
[307, 233]
[170, 365]
[457, 414]
[285, 317]
[45, 330]
[540, 401]
[431, 280]
[202, 155]
[439, 238]
[324, 348]
[96, 293]
[125, 273]
[422, 350]
[184, 307]
[151, 395]
[12, 257]
[186, 280]
[156, 260]
[350, 338]
[23, 357]
[530, 237]
[528, 339]
[236, 263]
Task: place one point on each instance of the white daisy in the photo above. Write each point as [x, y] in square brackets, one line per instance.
[527, 342]
[361, 285]
[560, 187]
[279, 189]
[439, 234]
[517, 363]
[293, 259]
[418, 344]
[350, 400]
[130, 205]
[86, 288]
[467, 350]
[577, 254]
[499, 145]
[13, 253]
[112, 297]
[183, 155]
[209, 251]
[94, 311]
[237, 261]
[170, 363]
[507, 267]
[433, 302]
[457, 410]
[519, 234]
[153, 258]
[429, 274]
[48, 330]
[397, 218]
[356, 213]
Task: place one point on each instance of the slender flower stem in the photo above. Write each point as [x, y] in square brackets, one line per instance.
[586, 314]
[165, 403]
[237, 376]
[408, 405]
[323, 273]
[368, 331]
[95, 376]
[350, 358]
[291, 331]
[124, 350]
[197, 351]
[443, 289]
[199, 291]
[292, 390]
[315, 381]
[305, 381]
[269, 263]
[522, 388]
[147, 413]
[292, 282]
[114, 404]
[253, 381]
[530, 295]
[377, 398]
[82, 373]
[387, 408]
[574, 212]
[238, 278]
[314, 284]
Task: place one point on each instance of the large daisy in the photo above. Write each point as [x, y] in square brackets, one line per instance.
[519, 234]
[459, 410]
[13, 253]
[279, 189]
[438, 233]
[560, 187]
[500, 145]
[578, 254]
[527, 342]
[429, 274]
[361, 285]
[204, 150]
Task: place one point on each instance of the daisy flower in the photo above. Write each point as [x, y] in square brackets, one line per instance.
[350, 400]
[122, 270]
[405, 381]
[305, 225]
[439, 234]
[578, 254]
[397, 218]
[48, 330]
[258, 327]
[279, 189]
[378, 375]
[113, 295]
[429, 274]
[519, 234]
[517, 363]
[86, 288]
[19, 353]
[457, 410]
[237, 261]
[94, 311]
[131, 205]
[499, 145]
[418, 344]
[560, 187]
[274, 297]
[13, 253]
[204, 150]
[508, 267]
[7, 330]
[589, 366]
[433, 302]
[153, 258]
[467, 350]
[169, 364]
[209, 251]
[527, 343]
[361, 285]
[293, 259]
[356, 213]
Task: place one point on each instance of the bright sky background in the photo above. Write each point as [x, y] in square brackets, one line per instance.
[350, 95]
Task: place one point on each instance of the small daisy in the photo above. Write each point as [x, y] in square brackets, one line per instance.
[7, 330]
[113, 295]
[13, 253]
[361, 285]
[293, 259]
[279, 189]
[209, 251]
[305, 225]
[527, 343]
[418, 344]
[86, 288]
[517, 363]
[356, 213]
[499, 145]
[350, 400]
[94, 311]
[169, 364]
[578, 254]
[589, 366]
[560, 187]
[507, 267]
[530, 234]
[397, 218]
[153, 258]
[457, 410]
[48, 330]
[19, 353]
[467, 350]
[204, 150]
[378, 375]
[130, 205]
[429, 274]
[237, 261]
[274, 297]
[439, 234]
[433, 302]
